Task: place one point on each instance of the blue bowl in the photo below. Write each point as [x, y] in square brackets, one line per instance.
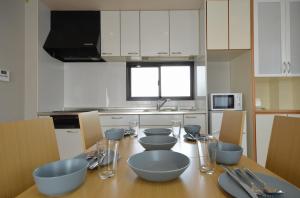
[60, 177]
[114, 134]
[192, 129]
[228, 154]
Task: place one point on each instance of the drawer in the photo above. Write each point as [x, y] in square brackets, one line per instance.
[159, 120]
[117, 120]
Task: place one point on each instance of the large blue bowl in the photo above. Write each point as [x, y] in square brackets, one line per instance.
[60, 177]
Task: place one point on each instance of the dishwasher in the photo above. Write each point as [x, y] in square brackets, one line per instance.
[68, 135]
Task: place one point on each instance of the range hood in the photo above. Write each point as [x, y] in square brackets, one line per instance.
[74, 36]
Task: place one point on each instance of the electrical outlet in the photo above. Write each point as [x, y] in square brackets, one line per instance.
[4, 75]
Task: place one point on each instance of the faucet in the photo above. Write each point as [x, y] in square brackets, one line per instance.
[161, 103]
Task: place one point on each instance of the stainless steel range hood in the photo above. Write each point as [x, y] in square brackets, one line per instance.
[75, 36]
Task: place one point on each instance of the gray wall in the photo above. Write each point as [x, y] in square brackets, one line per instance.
[12, 44]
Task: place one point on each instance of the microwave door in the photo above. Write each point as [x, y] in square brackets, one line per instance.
[223, 102]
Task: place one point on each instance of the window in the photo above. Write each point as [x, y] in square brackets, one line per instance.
[151, 81]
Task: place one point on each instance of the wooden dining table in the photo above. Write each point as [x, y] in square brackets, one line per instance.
[192, 183]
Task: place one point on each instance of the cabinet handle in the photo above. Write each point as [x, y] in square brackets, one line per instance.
[190, 117]
[88, 44]
[284, 67]
[116, 118]
[176, 53]
[132, 53]
[106, 53]
[288, 67]
[69, 131]
[161, 53]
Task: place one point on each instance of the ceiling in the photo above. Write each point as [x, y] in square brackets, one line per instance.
[123, 4]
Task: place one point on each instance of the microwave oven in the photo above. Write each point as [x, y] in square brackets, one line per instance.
[226, 101]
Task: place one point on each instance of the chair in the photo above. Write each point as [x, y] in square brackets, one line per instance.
[90, 128]
[284, 149]
[232, 127]
[24, 145]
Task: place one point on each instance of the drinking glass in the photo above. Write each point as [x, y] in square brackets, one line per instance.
[207, 146]
[176, 128]
[108, 153]
[134, 126]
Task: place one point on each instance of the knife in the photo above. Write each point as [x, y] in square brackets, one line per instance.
[241, 183]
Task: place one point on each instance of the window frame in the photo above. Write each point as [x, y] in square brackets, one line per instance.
[130, 65]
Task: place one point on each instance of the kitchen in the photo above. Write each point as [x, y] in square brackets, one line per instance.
[214, 39]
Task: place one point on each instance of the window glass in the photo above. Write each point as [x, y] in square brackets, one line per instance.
[144, 82]
[175, 81]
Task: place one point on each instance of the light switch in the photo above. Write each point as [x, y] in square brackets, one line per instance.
[4, 75]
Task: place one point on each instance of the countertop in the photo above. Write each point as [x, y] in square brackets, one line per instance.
[124, 111]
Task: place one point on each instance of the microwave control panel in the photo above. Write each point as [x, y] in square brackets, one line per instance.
[4, 75]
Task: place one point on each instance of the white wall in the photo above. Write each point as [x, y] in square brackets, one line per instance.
[85, 85]
[12, 58]
[50, 70]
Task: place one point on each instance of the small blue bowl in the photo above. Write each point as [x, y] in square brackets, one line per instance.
[228, 154]
[114, 134]
[192, 129]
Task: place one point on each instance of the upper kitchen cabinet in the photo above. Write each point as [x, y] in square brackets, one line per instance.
[239, 24]
[130, 33]
[293, 37]
[277, 38]
[154, 33]
[110, 33]
[217, 24]
[228, 24]
[184, 33]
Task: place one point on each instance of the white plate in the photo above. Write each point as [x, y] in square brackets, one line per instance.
[234, 189]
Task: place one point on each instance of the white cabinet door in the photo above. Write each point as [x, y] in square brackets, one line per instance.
[198, 119]
[158, 120]
[239, 24]
[69, 142]
[269, 38]
[184, 32]
[217, 24]
[154, 33]
[130, 33]
[293, 37]
[264, 125]
[110, 33]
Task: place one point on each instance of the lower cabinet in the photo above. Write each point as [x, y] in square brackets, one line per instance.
[151, 121]
[116, 121]
[198, 119]
[69, 142]
[264, 124]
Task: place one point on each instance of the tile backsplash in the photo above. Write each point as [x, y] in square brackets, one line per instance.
[102, 85]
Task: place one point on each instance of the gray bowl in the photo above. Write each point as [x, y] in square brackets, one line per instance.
[192, 129]
[114, 134]
[157, 131]
[158, 165]
[228, 154]
[158, 142]
[60, 177]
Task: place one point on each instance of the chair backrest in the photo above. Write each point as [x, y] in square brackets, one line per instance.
[284, 149]
[232, 127]
[90, 128]
[24, 146]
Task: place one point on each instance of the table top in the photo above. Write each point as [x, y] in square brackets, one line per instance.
[192, 183]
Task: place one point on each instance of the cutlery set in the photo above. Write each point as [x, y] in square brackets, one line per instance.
[252, 184]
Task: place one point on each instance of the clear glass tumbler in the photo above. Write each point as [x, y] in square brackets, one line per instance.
[176, 128]
[207, 146]
[134, 126]
[108, 153]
